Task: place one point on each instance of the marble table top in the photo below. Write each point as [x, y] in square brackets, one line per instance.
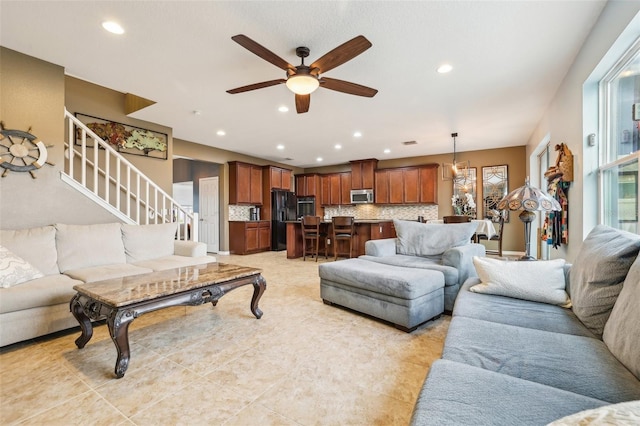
[123, 291]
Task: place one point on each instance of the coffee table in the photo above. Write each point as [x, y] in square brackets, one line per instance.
[121, 300]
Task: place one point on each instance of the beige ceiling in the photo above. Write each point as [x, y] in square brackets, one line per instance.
[509, 58]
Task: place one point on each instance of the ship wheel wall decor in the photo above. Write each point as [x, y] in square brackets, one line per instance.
[20, 152]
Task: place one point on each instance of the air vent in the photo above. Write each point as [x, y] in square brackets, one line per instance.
[410, 143]
[277, 159]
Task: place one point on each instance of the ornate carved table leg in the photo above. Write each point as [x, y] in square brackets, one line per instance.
[118, 322]
[259, 286]
[85, 323]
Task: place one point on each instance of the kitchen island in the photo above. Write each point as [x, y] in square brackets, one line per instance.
[365, 230]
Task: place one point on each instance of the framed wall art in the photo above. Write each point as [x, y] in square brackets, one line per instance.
[463, 184]
[125, 138]
[495, 185]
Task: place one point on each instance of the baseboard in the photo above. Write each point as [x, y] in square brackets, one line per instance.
[223, 253]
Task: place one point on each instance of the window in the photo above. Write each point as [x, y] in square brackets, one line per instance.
[620, 118]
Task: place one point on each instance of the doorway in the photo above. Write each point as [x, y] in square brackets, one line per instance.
[209, 206]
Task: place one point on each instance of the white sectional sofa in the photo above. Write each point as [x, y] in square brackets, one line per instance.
[60, 256]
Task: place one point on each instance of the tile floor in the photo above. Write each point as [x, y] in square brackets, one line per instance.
[302, 363]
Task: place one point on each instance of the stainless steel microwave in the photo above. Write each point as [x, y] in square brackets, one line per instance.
[361, 196]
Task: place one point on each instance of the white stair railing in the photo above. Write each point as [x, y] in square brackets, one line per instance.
[109, 179]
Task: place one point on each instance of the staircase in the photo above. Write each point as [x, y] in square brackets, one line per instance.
[110, 180]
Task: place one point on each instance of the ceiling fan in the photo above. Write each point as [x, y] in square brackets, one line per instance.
[304, 79]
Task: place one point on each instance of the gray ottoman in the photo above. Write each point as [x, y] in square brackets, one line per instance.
[406, 297]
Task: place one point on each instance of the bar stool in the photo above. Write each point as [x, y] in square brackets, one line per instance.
[343, 230]
[311, 236]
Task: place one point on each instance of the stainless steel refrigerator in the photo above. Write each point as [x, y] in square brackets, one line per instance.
[283, 208]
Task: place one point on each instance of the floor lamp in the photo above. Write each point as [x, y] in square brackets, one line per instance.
[528, 199]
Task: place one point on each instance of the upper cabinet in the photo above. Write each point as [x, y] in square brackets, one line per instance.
[335, 189]
[428, 189]
[362, 173]
[245, 183]
[308, 185]
[407, 185]
[277, 178]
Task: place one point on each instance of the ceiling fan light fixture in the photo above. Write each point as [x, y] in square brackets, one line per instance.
[302, 84]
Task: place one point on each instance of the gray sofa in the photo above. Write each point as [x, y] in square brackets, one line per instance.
[437, 247]
[511, 361]
[57, 257]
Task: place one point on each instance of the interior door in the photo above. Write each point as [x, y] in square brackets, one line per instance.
[209, 227]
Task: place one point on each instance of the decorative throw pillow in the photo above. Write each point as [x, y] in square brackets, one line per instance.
[622, 414]
[15, 270]
[540, 281]
[622, 330]
[597, 274]
[430, 239]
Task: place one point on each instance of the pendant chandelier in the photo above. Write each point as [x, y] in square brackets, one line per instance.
[456, 170]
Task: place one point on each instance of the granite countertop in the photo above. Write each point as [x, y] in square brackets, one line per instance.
[357, 221]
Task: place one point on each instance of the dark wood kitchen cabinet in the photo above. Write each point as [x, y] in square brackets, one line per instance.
[429, 184]
[345, 188]
[245, 183]
[407, 185]
[363, 173]
[308, 185]
[335, 189]
[247, 237]
[277, 178]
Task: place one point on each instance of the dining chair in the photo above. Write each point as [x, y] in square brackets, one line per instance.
[311, 237]
[497, 237]
[343, 230]
[456, 219]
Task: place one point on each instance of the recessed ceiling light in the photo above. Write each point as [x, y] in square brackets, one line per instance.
[386, 151]
[319, 159]
[221, 133]
[283, 109]
[280, 147]
[357, 135]
[338, 146]
[445, 68]
[113, 27]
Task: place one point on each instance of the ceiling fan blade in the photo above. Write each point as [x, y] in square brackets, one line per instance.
[262, 51]
[342, 54]
[302, 103]
[257, 86]
[347, 87]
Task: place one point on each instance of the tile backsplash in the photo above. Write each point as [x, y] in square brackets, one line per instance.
[361, 211]
[239, 212]
[372, 211]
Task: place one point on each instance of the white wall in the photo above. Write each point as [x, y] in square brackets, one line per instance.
[572, 114]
